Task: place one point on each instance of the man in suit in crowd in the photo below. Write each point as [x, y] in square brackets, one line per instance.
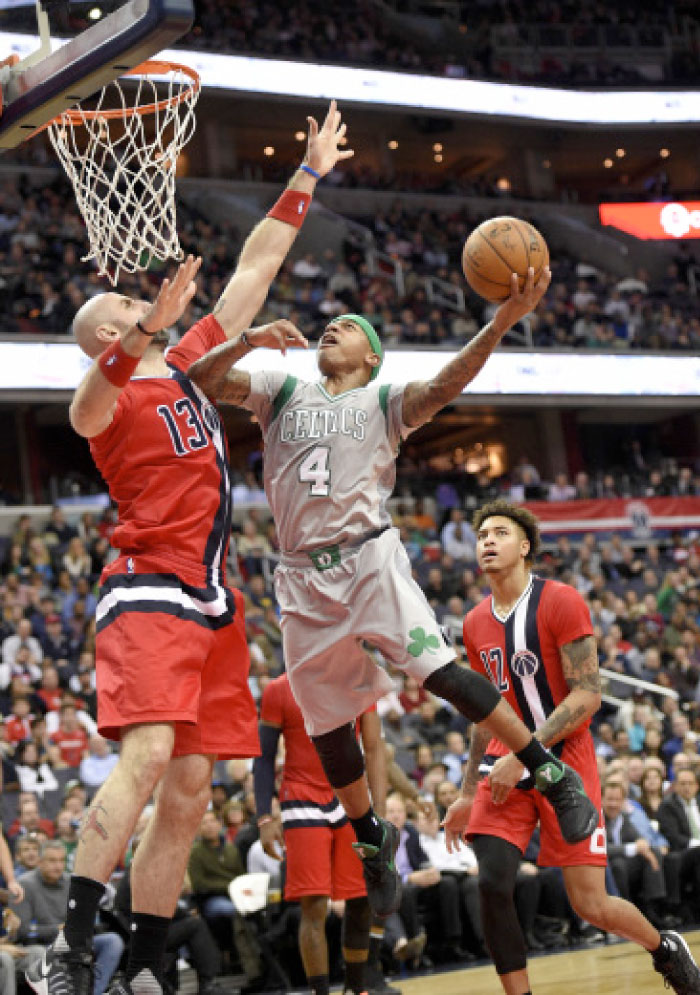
[679, 821]
[637, 866]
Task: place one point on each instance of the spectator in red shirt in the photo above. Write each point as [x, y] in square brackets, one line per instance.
[29, 821]
[19, 722]
[50, 692]
[70, 737]
[413, 695]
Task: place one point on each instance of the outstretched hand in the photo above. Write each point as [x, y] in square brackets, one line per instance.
[173, 297]
[456, 821]
[322, 149]
[281, 335]
[522, 302]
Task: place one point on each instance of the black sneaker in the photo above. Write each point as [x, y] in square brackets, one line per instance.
[376, 982]
[382, 880]
[62, 971]
[674, 962]
[563, 789]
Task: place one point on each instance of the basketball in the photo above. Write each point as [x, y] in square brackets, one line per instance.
[498, 248]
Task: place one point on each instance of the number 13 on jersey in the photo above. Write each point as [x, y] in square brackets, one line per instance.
[315, 470]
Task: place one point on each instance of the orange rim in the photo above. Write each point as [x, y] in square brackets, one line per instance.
[151, 67]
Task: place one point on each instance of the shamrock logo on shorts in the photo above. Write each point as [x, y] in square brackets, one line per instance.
[422, 642]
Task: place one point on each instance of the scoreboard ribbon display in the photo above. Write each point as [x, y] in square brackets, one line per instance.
[654, 219]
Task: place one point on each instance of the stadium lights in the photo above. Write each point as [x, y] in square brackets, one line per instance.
[437, 147]
[465, 97]
[95, 13]
[269, 150]
[664, 153]
[438, 157]
[300, 135]
[620, 153]
[393, 144]
[608, 163]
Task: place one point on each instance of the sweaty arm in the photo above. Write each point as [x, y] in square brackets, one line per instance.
[375, 759]
[579, 661]
[423, 399]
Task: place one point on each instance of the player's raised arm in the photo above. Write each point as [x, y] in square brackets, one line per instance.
[423, 399]
[95, 399]
[213, 373]
[268, 244]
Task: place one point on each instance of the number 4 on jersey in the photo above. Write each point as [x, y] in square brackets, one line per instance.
[315, 470]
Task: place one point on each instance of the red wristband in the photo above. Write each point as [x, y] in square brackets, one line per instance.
[291, 208]
[117, 366]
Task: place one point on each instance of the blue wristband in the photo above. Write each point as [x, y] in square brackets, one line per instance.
[310, 171]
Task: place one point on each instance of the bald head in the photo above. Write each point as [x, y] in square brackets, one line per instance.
[105, 318]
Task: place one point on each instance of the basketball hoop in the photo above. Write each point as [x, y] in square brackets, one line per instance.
[121, 159]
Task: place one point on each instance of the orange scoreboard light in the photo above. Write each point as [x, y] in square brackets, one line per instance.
[655, 219]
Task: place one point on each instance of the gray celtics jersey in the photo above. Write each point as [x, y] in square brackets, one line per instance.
[329, 461]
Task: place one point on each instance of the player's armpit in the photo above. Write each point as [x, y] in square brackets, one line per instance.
[214, 376]
[579, 660]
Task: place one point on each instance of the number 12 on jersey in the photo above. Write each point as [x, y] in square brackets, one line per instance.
[314, 470]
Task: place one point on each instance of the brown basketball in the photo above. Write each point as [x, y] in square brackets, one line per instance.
[498, 248]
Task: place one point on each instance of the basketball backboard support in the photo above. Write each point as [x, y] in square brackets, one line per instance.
[38, 93]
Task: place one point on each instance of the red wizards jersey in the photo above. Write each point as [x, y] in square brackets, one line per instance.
[304, 776]
[165, 460]
[520, 655]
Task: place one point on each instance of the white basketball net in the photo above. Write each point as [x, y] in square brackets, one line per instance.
[122, 167]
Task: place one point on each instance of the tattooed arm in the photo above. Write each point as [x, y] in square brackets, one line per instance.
[457, 816]
[579, 661]
[423, 399]
[477, 745]
[213, 374]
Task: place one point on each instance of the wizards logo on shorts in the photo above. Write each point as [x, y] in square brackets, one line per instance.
[524, 663]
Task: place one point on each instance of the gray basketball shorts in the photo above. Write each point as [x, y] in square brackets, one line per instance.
[364, 595]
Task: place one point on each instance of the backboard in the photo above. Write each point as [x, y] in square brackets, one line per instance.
[38, 90]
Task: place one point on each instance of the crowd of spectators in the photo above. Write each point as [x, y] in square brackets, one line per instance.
[644, 600]
[574, 44]
[43, 282]
[310, 31]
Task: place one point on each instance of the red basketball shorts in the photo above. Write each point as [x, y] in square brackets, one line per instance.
[320, 857]
[516, 819]
[168, 650]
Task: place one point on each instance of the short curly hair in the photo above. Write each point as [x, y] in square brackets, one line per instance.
[521, 516]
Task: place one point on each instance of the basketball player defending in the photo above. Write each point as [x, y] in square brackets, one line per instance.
[345, 578]
[172, 658]
[316, 834]
[534, 640]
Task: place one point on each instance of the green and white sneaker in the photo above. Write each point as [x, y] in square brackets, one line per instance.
[563, 789]
[381, 877]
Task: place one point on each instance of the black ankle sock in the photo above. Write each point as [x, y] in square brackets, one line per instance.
[319, 984]
[355, 976]
[534, 755]
[84, 897]
[147, 942]
[368, 828]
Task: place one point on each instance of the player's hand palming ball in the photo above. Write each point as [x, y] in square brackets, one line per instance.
[499, 248]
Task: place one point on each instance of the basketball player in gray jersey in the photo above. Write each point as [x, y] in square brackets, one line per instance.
[344, 578]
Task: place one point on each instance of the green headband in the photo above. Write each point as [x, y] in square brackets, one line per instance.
[372, 338]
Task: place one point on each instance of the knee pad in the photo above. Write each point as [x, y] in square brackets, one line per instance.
[340, 755]
[471, 693]
[498, 867]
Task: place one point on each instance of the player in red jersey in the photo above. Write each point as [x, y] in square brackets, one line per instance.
[534, 640]
[172, 657]
[316, 834]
